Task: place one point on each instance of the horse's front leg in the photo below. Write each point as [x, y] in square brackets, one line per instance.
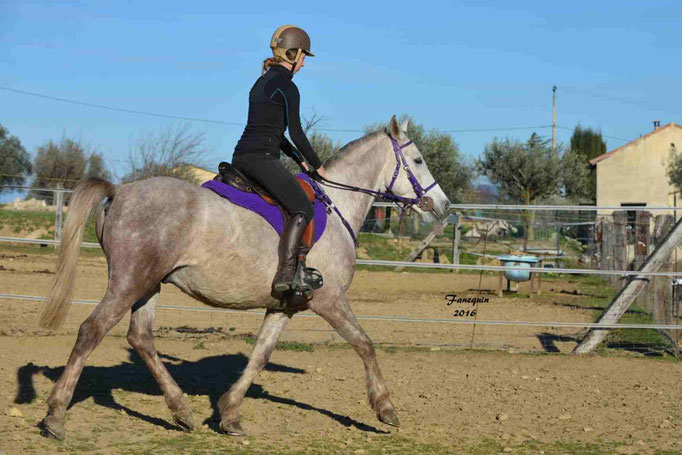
[273, 325]
[336, 311]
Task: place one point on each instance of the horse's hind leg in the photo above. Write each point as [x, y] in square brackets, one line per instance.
[230, 402]
[108, 312]
[338, 314]
[140, 337]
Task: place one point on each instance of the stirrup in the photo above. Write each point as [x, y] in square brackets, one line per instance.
[306, 280]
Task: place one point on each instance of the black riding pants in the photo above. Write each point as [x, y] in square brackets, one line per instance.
[271, 174]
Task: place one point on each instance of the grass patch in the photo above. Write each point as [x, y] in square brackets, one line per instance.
[30, 248]
[25, 222]
[294, 346]
[200, 345]
[282, 345]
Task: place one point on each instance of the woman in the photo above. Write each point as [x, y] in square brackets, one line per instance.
[273, 106]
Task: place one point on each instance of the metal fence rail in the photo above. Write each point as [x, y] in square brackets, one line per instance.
[386, 318]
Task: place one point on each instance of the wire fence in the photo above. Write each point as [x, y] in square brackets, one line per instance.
[584, 257]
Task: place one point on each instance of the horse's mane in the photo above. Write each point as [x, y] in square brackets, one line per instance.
[346, 149]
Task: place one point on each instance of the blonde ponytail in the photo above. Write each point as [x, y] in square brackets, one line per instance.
[268, 62]
[276, 60]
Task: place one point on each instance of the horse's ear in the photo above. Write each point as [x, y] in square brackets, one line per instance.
[403, 126]
[394, 128]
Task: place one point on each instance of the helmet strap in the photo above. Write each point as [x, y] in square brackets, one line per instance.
[298, 57]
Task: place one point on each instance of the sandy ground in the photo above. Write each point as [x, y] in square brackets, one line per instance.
[312, 399]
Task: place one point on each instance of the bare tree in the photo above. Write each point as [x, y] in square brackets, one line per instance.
[169, 152]
[311, 122]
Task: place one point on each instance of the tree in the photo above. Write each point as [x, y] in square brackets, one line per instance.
[577, 179]
[169, 152]
[674, 169]
[524, 172]
[65, 163]
[15, 162]
[443, 157]
[586, 144]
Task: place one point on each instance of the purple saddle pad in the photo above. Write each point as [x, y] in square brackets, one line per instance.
[271, 213]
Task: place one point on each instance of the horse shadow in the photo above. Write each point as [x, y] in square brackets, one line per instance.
[210, 376]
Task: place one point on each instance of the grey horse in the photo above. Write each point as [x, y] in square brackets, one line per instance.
[164, 230]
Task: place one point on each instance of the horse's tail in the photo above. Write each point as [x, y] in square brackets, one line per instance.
[85, 200]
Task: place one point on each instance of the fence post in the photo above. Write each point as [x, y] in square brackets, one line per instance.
[455, 244]
[58, 213]
[607, 250]
[642, 229]
[620, 245]
[662, 305]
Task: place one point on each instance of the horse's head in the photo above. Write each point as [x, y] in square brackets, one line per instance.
[414, 180]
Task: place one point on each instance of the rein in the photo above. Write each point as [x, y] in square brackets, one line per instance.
[423, 202]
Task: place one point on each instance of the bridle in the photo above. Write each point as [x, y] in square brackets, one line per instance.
[423, 202]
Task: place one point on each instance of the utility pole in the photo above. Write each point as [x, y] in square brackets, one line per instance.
[554, 119]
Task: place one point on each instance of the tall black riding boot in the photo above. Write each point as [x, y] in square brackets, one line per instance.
[288, 252]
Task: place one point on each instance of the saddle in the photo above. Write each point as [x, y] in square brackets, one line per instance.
[229, 175]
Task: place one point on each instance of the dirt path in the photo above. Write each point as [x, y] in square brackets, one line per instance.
[477, 402]
[311, 398]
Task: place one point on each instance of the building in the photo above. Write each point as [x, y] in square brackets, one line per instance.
[636, 173]
[202, 175]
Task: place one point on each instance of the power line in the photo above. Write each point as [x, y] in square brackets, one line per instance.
[220, 122]
[119, 109]
[603, 135]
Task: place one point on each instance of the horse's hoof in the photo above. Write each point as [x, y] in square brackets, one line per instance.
[53, 427]
[388, 417]
[232, 428]
[184, 419]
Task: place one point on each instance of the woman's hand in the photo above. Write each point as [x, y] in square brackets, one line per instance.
[320, 170]
[305, 165]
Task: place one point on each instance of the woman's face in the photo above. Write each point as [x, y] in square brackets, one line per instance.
[300, 63]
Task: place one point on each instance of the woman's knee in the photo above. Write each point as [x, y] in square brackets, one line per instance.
[308, 211]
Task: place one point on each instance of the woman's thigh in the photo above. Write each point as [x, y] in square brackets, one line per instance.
[277, 180]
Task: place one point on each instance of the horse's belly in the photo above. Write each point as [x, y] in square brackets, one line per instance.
[225, 287]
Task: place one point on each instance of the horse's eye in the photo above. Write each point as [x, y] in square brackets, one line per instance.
[418, 161]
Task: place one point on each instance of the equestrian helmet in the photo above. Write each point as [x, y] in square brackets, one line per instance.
[290, 37]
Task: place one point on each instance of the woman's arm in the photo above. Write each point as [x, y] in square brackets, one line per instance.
[293, 101]
[290, 150]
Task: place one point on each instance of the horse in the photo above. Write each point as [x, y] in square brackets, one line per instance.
[165, 230]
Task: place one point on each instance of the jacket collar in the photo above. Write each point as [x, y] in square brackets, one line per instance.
[283, 70]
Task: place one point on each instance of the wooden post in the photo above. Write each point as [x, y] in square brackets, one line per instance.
[631, 289]
[58, 213]
[642, 228]
[662, 285]
[500, 283]
[438, 227]
[455, 243]
[620, 245]
[606, 249]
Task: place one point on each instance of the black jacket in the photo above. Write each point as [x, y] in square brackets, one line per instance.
[274, 104]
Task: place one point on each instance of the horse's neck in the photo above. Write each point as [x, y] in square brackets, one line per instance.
[362, 167]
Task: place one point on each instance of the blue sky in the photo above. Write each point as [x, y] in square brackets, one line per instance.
[451, 65]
